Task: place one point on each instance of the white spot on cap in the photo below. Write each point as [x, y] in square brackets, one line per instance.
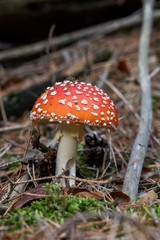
[104, 102]
[102, 113]
[74, 97]
[33, 113]
[95, 93]
[68, 122]
[97, 121]
[44, 96]
[94, 114]
[53, 114]
[104, 124]
[39, 110]
[65, 89]
[87, 94]
[85, 88]
[72, 117]
[78, 92]
[51, 88]
[100, 93]
[79, 87]
[45, 101]
[84, 101]
[69, 104]
[37, 105]
[62, 101]
[78, 108]
[95, 107]
[85, 108]
[108, 112]
[103, 119]
[51, 120]
[53, 93]
[96, 99]
[87, 121]
[67, 93]
[104, 98]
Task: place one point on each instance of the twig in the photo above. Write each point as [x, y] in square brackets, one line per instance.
[133, 173]
[65, 177]
[21, 187]
[119, 94]
[65, 39]
[3, 112]
[50, 38]
[154, 72]
[15, 127]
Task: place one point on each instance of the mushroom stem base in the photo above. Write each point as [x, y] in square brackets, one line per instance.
[68, 136]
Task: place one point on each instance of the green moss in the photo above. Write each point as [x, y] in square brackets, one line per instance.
[54, 206]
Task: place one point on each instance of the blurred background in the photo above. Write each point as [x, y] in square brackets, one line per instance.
[27, 21]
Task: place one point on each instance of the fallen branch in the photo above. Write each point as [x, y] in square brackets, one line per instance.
[69, 38]
[15, 127]
[133, 173]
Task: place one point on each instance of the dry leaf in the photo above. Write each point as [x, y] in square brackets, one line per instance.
[120, 199]
[148, 197]
[24, 199]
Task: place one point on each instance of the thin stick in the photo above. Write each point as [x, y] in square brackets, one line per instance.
[50, 38]
[3, 112]
[133, 173]
[64, 177]
[15, 127]
[119, 94]
[65, 39]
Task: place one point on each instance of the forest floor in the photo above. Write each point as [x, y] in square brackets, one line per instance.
[95, 208]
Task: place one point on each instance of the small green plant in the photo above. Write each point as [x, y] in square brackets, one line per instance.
[146, 212]
[54, 206]
[157, 210]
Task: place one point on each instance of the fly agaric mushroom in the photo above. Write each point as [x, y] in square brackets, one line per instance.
[73, 105]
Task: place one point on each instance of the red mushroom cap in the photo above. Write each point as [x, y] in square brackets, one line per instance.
[75, 102]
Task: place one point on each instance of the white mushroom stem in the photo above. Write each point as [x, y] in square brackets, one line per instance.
[68, 136]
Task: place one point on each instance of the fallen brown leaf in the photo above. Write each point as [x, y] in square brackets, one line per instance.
[30, 195]
[148, 197]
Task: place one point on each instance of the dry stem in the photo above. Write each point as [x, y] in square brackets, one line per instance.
[133, 173]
